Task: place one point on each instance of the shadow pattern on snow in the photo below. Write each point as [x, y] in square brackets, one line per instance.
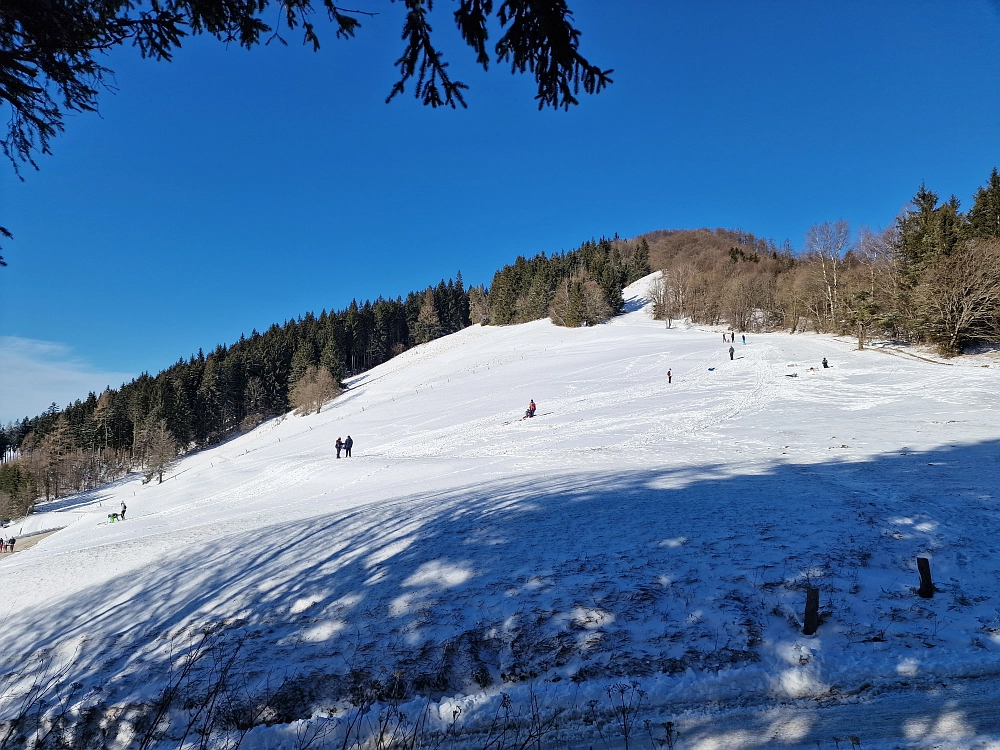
[577, 581]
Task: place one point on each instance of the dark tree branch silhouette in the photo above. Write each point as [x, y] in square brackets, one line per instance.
[49, 48]
[49, 65]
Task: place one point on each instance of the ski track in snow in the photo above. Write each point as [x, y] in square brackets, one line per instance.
[633, 530]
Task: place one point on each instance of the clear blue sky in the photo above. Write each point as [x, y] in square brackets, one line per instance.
[230, 189]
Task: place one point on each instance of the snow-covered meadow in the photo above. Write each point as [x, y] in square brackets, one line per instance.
[658, 536]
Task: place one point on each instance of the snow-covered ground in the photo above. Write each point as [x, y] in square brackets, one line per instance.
[635, 531]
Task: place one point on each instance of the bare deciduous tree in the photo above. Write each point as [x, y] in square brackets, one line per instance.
[477, 304]
[959, 299]
[827, 243]
[160, 448]
[312, 390]
[428, 326]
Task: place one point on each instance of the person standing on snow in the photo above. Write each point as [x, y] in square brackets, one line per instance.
[122, 516]
[348, 444]
[670, 377]
[731, 352]
[744, 339]
[339, 445]
[530, 412]
[825, 363]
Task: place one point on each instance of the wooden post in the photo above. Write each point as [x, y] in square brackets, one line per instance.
[926, 589]
[812, 612]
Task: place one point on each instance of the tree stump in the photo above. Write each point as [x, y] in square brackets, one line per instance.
[926, 589]
[812, 612]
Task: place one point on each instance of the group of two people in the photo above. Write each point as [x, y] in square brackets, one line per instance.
[7, 545]
[344, 445]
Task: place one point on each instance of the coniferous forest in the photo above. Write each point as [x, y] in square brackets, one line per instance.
[205, 398]
[932, 277]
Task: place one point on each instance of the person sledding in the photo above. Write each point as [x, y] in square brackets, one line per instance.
[530, 412]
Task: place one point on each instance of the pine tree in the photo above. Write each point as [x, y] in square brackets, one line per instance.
[984, 217]
[209, 424]
[916, 233]
[333, 360]
[103, 415]
[303, 358]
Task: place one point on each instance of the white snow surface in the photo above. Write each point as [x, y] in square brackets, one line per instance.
[635, 529]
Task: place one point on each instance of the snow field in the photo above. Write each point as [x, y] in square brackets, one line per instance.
[633, 531]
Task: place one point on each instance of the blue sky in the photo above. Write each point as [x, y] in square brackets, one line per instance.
[230, 189]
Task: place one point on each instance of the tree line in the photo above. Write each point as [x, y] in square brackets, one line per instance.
[932, 277]
[299, 365]
[579, 287]
[202, 400]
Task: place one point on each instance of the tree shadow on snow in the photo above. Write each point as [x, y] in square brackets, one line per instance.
[584, 579]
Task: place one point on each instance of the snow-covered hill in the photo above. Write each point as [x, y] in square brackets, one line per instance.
[634, 531]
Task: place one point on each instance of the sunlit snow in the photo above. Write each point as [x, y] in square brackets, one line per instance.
[633, 530]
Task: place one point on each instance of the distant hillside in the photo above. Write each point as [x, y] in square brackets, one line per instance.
[933, 278]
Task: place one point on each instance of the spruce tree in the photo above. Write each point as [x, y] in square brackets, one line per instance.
[916, 234]
[333, 360]
[303, 358]
[984, 217]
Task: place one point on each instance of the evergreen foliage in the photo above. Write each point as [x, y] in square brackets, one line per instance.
[933, 277]
[205, 398]
[579, 287]
[984, 217]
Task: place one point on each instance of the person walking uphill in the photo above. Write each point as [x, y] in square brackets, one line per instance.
[348, 444]
[339, 445]
[731, 352]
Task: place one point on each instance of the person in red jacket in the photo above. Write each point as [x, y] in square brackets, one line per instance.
[531, 410]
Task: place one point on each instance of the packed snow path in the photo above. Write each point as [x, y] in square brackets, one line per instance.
[633, 530]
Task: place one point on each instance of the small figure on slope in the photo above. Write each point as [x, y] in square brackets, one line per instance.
[670, 376]
[825, 363]
[530, 411]
[122, 514]
[731, 352]
[339, 445]
[348, 444]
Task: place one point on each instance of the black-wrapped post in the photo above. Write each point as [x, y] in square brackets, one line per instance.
[926, 589]
[812, 612]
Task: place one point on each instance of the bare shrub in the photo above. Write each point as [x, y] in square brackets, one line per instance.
[250, 421]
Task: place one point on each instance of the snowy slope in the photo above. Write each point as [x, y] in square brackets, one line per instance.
[634, 530]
